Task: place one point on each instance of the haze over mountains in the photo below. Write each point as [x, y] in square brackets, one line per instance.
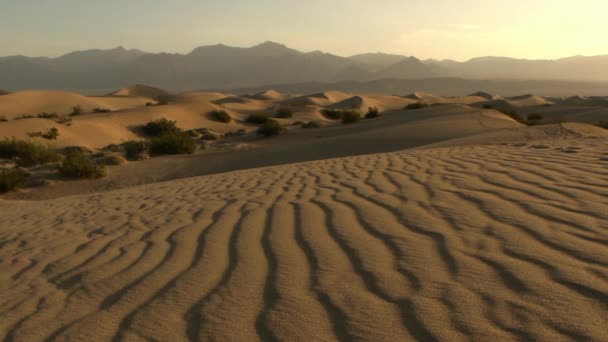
[225, 67]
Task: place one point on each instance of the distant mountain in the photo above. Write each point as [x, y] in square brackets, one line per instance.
[220, 66]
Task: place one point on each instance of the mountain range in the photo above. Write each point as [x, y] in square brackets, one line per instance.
[221, 67]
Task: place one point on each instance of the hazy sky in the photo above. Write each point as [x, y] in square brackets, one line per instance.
[456, 29]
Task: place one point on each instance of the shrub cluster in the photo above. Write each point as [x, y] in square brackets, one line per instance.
[257, 119]
[372, 112]
[76, 110]
[159, 127]
[172, 143]
[12, 178]
[284, 113]
[45, 115]
[79, 165]
[349, 117]
[332, 114]
[311, 124]
[134, 148]
[221, 116]
[25, 153]
[416, 105]
[271, 128]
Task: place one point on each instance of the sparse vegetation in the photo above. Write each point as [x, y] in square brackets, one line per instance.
[24, 116]
[488, 106]
[311, 124]
[51, 134]
[332, 114]
[133, 148]
[416, 105]
[221, 116]
[101, 110]
[271, 128]
[372, 112]
[79, 165]
[76, 110]
[349, 117]
[45, 115]
[159, 127]
[11, 179]
[64, 120]
[257, 119]
[172, 143]
[25, 153]
[284, 113]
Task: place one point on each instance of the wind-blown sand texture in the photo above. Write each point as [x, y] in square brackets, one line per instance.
[485, 243]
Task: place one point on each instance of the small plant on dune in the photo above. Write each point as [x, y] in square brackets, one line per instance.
[271, 128]
[257, 119]
[101, 110]
[487, 106]
[332, 114]
[221, 116]
[535, 117]
[11, 179]
[172, 143]
[45, 115]
[284, 113]
[65, 120]
[133, 148]
[25, 153]
[372, 112]
[79, 165]
[76, 110]
[159, 127]
[3, 118]
[51, 134]
[349, 117]
[416, 105]
[311, 124]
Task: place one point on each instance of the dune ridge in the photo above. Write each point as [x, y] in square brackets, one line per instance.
[500, 242]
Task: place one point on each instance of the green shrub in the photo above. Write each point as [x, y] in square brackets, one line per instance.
[271, 128]
[221, 116]
[133, 148]
[284, 113]
[25, 153]
[12, 178]
[76, 110]
[159, 127]
[416, 105]
[51, 134]
[172, 143]
[257, 119]
[332, 114]
[45, 115]
[372, 112]
[311, 124]
[78, 165]
[535, 117]
[349, 117]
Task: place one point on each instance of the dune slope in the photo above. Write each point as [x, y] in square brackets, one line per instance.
[457, 243]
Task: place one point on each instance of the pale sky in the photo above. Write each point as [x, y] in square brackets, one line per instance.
[454, 29]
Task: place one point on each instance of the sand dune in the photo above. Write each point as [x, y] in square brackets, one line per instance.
[456, 243]
[140, 90]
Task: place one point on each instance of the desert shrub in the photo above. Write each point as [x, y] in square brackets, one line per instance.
[311, 124]
[172, 143]
[112, 160]
[487, 106]
[10, 179]
[51, 134]
[284, 113]
[45, 115]
[64, 120]
[349, 117]
[25, 153]
[372, 112]
[159, 127]
[332, 114]
[149, 104]
[3, 118]
[101, 110]
[416, 105]
[221, 116]
[207, 136]
[79, 165]
[271, 128]
[74, 149]
[257, 119]
[535, 117]
[76, 110]
[24, 116]
[133, 148]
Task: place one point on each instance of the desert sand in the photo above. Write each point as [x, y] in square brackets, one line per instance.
[449, 223]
